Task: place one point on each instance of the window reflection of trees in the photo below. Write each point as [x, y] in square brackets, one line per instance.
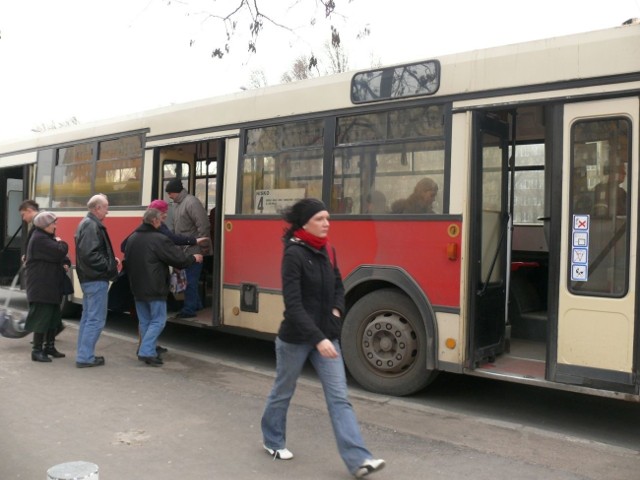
[391, 159]
[78, 174]
[601, 188]
[288, 156]
[403, 81]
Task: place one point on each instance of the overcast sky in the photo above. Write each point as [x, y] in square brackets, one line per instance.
[96, 59]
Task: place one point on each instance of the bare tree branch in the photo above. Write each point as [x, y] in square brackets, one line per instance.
[257, 20]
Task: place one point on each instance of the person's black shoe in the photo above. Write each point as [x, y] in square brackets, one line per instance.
[161, 350]
[153, 361]
[53, 352]
[39, 356]
[97, 362]
[185, 315]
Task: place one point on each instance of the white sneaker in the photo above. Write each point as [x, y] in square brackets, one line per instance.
[282, 454]
[369, 466]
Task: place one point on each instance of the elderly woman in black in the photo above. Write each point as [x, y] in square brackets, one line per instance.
[46, 261]
[314, 304]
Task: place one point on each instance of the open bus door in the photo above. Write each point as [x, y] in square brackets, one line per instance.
[597, 332]
[489, 238]
[12, 188]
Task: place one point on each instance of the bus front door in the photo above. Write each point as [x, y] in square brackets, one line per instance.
[597, 328]
[489, 238]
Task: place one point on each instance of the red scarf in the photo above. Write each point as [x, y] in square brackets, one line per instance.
[312, 240]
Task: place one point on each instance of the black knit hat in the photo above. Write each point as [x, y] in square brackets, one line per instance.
[300, 213]
[174, 186]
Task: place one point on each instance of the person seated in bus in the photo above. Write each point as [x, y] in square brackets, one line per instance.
[610, 197]
[420, 201]
[376, 202]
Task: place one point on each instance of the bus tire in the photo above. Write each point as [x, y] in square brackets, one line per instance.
[68, 309]
[384, 344]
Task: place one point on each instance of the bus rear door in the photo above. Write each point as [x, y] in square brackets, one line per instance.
[596, 338]
[489, 234]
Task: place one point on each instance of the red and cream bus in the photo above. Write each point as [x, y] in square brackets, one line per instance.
[525, 270]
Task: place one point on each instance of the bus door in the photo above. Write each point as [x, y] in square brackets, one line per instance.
[488, 238]
[201, 165]
[597, 333]
[11, 190]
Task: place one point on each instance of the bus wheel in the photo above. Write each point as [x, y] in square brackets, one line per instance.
[384, 344]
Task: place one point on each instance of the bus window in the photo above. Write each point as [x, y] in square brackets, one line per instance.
[281, 164]
[206, 171]
[43, 177]
[112, 167]
[528, 201]
[400, 158]
[72, 176]
[118, 171]
[396, 82]
[600, 197]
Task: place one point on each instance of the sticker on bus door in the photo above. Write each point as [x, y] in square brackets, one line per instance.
[580, 248]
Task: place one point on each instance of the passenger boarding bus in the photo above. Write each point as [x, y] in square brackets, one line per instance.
[524, 268]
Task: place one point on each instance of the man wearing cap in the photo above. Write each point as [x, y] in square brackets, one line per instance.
[189, 219]
[96, 266]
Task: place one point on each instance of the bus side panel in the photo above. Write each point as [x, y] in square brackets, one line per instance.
[253, 252]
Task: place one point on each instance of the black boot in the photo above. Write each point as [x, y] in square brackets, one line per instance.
[50, 344]
[37, 354]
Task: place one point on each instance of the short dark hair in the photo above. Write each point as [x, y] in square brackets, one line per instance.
[29, 205]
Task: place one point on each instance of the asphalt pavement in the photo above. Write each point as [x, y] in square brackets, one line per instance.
[198, 417]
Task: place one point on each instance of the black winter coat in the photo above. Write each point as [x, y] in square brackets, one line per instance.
[148, 255]
[45, 260]
[95, 260]
[312, 288]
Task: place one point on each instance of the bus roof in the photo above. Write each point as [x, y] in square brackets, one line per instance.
[601, 54]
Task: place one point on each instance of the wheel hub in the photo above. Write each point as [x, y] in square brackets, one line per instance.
[389, 343]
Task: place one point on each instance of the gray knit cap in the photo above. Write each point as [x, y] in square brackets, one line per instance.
[44, 219]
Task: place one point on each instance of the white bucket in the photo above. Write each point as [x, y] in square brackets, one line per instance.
[73, 471]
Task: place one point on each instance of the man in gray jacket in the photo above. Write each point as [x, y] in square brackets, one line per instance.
[190, 219]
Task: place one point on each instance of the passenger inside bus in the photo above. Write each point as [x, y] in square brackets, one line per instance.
[420, 201]
[376, 202]
[610, 197]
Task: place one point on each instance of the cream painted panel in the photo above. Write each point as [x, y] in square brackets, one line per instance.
[19, 159]
[610, 348]
[449, 327]
[267, 320]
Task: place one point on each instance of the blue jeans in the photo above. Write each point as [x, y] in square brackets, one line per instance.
[192, 302]
[94, 316]
[152, 317]
[290, 361]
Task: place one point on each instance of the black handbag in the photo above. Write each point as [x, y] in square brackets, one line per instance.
[67, 284]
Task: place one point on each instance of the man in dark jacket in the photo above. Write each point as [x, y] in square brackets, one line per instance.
[149, 253]
[96, 266]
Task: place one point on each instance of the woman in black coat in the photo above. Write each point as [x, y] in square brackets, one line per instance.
[314, 305]
[46, 262]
